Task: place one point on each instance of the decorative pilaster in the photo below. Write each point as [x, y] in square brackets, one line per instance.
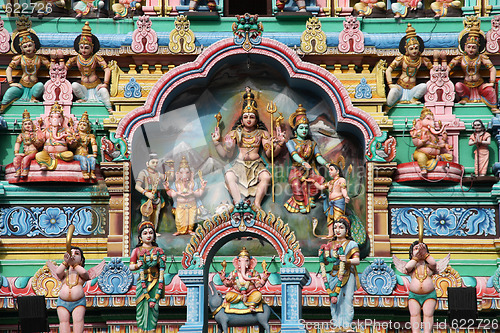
[195, 300]
[379, 179]
[292, 281]
[494, 125]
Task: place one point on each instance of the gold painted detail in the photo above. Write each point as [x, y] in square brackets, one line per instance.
[313, 39]
[448, 278]
[182, 38]
[44, 284]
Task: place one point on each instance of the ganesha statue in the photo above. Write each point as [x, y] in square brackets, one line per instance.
[431, 141]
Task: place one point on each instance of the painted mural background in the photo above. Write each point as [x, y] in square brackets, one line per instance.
[185, 128]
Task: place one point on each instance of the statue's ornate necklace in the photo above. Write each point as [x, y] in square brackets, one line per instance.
[29, 64]
[412, 65]
[468, 62]
[423, 277]
[71, 285]
[87, 64]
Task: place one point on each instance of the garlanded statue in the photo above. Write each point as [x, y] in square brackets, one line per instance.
[481, 139]
[244, 283]
[83, 139]
[473, 89]
[150, 260]
[365, 7]
[430, 139]
[148, 183]
[248, 176]
[402, 8]
[56, 139]
[25, 44]
[406, 89]
[124, 8]
[441, 7]
[186, 193]
[422, 296]
[71, 301]
[28, 139]
[87, 7]
[343, 280]
[337, 196]
[90, 88]
[305, 153]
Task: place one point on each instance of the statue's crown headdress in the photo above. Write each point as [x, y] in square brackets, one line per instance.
[473, 36]
[26, 116]
[298, 117]
[411, 36]
[184, 163]
[249, 103]
[56, 108]
[86, 37]
[425, 112]
[23, 26]
[244, 253]
[145, 224]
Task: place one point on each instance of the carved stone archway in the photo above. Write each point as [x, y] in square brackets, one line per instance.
[242, 221]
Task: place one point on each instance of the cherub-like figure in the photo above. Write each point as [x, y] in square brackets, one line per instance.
[406, 89]
[341, 284]
[149, 182]
[90, 88]
[430, 140]
[26, 44]
[337, 196]
[244, 283]
[150, 260]
[186, 193]
[28, 139]
[56, 139]
[473, 89]
[84, 139]
[71, 301]
[422, 296]
[481, 139]
[305, 153]
[248, 176]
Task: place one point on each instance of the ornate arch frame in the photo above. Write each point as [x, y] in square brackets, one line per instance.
[310, 76]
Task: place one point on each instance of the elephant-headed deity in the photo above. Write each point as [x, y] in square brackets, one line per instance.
[431, 141]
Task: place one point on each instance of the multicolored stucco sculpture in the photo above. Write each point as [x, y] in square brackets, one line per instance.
[25, 44]
[430, 140]
[150, 260]
[248, 175]
[186, 193]
[481, 139]
[90, 88]
[305, 153]
[84, 139]
[343, 280]
[28, 139]
[149, 181]
[406, 90]
[56, 139]
[473, 89]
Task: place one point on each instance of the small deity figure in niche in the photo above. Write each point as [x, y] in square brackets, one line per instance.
[30, 143]
[90, 89]
[124, 8]
[148, 183]
[429, 141]
[186, 193]
[441, 7]
[406, 89]
[402, 8]
[337, 196]
[150, 260]
[248, 176]
[343, 281]
[71, 301]
[83, 139]
[365, 7]
[305, 153]
[422, 296]
[86, 7]
[56, 139]
[26, 44]
[244, 283]
[481, 139]
[474, 89]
